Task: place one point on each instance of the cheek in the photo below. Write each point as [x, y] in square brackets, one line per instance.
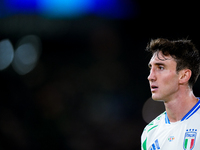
[171, 81]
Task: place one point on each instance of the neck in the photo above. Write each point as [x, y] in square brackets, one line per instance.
[179, 106]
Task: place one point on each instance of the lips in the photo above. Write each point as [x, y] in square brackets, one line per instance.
[154, 88]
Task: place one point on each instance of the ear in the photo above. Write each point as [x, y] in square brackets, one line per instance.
[184, 76]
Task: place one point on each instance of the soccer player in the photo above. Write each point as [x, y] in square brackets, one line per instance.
[174, 68]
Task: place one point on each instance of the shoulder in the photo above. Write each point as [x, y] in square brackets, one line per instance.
[154, 123]
[150, 128]
[195, 114]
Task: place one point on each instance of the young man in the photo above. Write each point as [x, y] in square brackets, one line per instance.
[174, 68]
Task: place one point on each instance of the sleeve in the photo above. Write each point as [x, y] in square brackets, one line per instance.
[144, 140]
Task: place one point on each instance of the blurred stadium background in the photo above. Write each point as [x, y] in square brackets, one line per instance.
[74, 72]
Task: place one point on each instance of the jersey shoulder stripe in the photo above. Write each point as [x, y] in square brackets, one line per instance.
[192, 111]
[188, 115]
[153, 124]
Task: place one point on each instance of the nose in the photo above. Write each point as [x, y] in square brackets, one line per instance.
[152, 76]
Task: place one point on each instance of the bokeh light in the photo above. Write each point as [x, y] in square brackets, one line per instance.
[26, 54]
[60, 8]
[152, 109]
[70, 8]
[6, 53]
[21, 6]
[33, 40]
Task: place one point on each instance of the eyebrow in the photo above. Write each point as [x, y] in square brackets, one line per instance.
[157, 64]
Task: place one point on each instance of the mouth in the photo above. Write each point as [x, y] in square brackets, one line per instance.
[154, 88]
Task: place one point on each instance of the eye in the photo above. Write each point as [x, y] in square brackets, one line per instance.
[161, 67]
[149, 66]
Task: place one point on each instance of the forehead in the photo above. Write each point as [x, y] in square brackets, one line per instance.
[159, 57]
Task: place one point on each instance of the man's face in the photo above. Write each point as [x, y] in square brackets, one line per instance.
[163, 78]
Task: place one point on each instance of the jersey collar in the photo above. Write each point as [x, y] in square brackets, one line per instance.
[188, 115]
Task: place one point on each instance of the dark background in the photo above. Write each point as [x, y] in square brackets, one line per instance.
[89, 86]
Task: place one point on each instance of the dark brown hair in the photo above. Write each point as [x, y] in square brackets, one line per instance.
[183, 51]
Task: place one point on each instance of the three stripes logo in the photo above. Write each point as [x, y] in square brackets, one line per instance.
[155, 146]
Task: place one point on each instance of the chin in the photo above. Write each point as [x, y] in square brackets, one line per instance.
[156, 98]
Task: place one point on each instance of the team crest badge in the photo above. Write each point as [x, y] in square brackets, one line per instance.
[189, 139]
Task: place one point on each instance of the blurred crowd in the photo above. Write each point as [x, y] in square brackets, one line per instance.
[78, 97]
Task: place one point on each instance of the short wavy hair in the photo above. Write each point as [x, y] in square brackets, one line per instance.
[183, 51]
